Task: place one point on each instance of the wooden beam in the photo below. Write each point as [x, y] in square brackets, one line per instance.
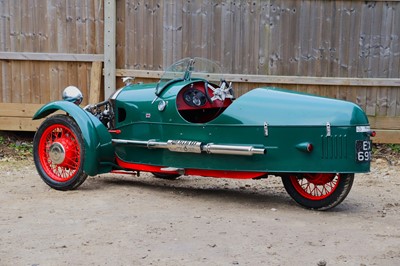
[110, 15]
[18, 109]
[138, 73]
[20, 124]
[387, 136]
[51, 57]
[95, 82]
[366, 82]
[384, 122]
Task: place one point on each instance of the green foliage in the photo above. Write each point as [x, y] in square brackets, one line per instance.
[395, 147]
[15, 145]
[23, 148]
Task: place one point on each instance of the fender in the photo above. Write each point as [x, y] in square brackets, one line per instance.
[98, 146]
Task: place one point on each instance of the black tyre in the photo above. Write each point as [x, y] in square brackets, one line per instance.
[59, 153]
[318, 191]
[166, 176]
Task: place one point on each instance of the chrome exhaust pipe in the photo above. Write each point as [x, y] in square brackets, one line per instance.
[188, 146]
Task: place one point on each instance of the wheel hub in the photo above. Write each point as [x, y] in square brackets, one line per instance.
[57, 153]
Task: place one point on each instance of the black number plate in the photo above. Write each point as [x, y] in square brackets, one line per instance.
[363, 150]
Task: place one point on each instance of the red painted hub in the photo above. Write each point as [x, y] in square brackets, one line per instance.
[59, 153]
[315, 186]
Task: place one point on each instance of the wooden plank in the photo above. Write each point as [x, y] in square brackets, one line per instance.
[72, 74]
[51, 57]
[289, 37]
[274, 47]
[83, 82]
[335, 41]
[53, 81]
[369, 82]
[95, 82]
[27, 45]
[89, 31]
[355, 29]
[344, 16]
[215, 27]
[318, 41]
[3, 24]
[325, 46]
[99, 26]
[6, 81]
[384, 122]
[20, 124]
[121, 34]
[18, 109]
[62, 29]
[2, 79]
[382, 20]
[158, 36]
[265, 36]
[81, 26]
[387, 136]
[62, 79]
[305, 41]
[70, 21]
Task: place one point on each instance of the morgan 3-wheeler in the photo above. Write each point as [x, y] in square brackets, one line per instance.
[189, 123]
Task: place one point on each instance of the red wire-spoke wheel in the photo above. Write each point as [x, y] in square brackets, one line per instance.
[59, 153]
[320, 191]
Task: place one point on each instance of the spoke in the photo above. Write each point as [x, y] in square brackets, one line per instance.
[317, 186]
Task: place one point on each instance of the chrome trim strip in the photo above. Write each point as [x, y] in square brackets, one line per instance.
[360, 129]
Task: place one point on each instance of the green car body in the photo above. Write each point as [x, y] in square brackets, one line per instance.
[291, 119]
[175, 128]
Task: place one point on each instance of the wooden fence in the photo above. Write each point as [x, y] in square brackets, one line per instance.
[342, 49]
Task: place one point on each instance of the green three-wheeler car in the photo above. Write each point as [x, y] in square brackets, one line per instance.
[189, 124]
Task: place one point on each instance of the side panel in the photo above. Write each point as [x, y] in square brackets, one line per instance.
[98, 145]
[330, 154]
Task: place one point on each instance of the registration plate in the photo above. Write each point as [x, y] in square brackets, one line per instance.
[363, 150]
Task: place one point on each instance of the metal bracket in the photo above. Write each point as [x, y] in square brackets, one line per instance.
[328, 129]
[266, 129]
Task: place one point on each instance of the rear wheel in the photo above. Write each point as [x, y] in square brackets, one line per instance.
[58, 151]
[318, 191]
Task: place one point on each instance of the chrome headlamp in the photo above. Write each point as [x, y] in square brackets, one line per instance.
[72, 94]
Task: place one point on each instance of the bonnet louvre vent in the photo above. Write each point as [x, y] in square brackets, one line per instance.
[334, 147]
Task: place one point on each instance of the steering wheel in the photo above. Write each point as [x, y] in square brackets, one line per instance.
[194, 98]
[224, 91]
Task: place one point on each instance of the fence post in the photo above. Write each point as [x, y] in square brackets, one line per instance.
[110, 14]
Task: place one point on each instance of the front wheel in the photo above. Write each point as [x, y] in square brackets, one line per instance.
[59, 153]
[318, 191]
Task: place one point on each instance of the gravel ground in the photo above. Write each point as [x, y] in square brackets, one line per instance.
[126, 220]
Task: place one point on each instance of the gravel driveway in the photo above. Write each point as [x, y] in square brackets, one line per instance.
[126, 220]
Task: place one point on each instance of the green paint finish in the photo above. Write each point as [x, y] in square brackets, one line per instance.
[280, 107]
